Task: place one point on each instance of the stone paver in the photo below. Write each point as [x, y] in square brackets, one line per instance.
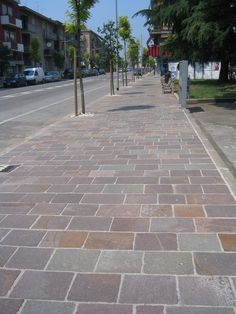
[120, 212]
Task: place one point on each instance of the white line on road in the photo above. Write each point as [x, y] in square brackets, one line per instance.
[44, 107]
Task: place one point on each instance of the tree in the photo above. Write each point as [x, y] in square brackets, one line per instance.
[87, 59]
[79, 14]
[133, 53]
[202, 30]
[124, 32]
[35, 45]
[59, 59]
[5, 58]
[108, 32]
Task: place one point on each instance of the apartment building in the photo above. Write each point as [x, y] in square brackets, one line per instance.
[10, 33]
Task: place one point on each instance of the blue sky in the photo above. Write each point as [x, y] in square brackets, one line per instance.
[103, 11]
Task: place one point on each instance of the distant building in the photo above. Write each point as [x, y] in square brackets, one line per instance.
[50, 34]
[10, 33]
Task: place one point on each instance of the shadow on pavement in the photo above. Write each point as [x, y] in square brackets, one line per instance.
[129, 108]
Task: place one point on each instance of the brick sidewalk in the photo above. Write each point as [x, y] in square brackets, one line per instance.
[122, 212]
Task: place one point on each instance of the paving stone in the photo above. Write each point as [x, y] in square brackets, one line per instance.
[7, 278]
[109, 241]
[130, 224]
[198, 242]
[89, 188]
[122, 188]
[184, 188]
[174, 180]
[95, 288]
[29, 188]
[147, 289]
[103, 199]
[5, 253]
[15, 208]
[185, 173]
[3, 233]
[29, 258]
[221, 210]
[141, 199]
[43, 307]
[149, 309]
[119, 210]
[90, 223]
[215, 225]
[206, 180]
[210, 199]
[168, 263]
[158, 188]
[187, 210]
[23, 238]
[70, 239]
[155, 242]
[42, 285]
[119, 262]
[137, 180]
[156, 211]
[18, 221]
[10, 306]
[51, 222]
[212, 264]
[99, 308]
[74, 260]
[228, 241]
[80, 210]
[47, 209]
[172, 199]
[81, 180]
[38, 198]
[215, 189]
[104, 180]
[172, 225]
[67, 198]
[10, 197]
[62, 188]
[210, 291]
[199, 310]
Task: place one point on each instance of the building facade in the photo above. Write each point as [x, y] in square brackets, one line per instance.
[10, 33]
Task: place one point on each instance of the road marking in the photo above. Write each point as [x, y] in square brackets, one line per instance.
[26, 93]
[44, 107]
[8, 96]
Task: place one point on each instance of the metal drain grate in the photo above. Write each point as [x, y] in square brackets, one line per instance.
[7, 168]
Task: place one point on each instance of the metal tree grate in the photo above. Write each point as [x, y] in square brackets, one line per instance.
[7, 168]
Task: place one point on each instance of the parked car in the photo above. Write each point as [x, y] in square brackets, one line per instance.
[15, 80]
[52, 76]
[102, 71]
[34, 75]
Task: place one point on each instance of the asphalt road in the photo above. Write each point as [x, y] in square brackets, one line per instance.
[25, 111]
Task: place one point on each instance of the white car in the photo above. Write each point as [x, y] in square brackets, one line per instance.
[34, 75]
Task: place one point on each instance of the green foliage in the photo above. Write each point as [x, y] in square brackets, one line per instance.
[133, 51]
[59, 59]
[108, 32]
[124, 29]
[5, 58]
[35, 45]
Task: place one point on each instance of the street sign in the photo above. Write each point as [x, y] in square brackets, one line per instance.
[150, 43]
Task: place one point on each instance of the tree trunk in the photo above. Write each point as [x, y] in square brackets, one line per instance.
[224, 70]
[123, 77]
[81, 83]
[126, 79]
[75, 84]
[111, 79]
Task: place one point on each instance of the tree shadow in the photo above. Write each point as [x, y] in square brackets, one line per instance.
[225, 104]
[130, 108]
[134, 93]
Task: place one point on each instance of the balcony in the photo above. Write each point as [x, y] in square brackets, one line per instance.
[7, 44]
[20, 48]
[14, 46]
[11, 21]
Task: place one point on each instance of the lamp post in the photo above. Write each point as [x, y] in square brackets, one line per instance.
[117, 52]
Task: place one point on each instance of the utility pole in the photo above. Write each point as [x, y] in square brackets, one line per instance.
[117, 52]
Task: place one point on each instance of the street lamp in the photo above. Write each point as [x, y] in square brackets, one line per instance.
[117, 51]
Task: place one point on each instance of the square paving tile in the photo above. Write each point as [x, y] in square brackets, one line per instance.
[7, 278]
[198, 242]
[29, 258]
[15, 208]
[221, 210]
[119, 262]
[95, 288]
[149, 309]
[52, 222]
[210, 291]
[23, 238]
[168, 263]
[103, 199]
[172, 199]
[155, 242]
[47, 209]
[109, 241]
[43, 307]
[42, 285]
[141, 199]
[119, 210]
[74, 260]
[147, 289]
[67, 198]
[228, 241]
[188, 210]
[80, 210]
[216, 225]
[70, 239]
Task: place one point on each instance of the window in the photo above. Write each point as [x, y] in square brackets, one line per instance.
[6, 10]
[9, 36]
